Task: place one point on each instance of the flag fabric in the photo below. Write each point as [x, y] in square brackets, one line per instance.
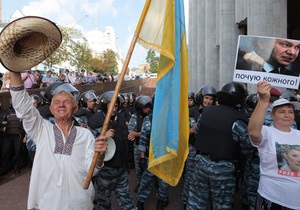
[163, 30]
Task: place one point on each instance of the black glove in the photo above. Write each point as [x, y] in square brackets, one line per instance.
[143, 163]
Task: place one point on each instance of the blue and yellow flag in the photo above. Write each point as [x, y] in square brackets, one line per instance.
[163, 29]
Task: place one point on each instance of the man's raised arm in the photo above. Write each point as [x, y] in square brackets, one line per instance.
[15, 79]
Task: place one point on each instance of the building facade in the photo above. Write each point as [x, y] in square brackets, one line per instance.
[99, 42]
[214, 27]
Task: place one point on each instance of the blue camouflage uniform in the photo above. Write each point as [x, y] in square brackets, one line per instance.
[250, 181]
[148, 178]
[113, 177]
[214, 179]
[132, 126]
[189, 166]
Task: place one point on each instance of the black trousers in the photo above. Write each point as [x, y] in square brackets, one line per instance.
[264, 204]
[11, 148]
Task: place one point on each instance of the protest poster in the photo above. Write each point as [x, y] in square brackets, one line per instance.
[270, 59]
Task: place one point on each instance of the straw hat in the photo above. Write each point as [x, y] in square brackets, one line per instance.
[27, 41]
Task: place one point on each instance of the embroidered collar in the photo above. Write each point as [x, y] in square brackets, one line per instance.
[60, 146]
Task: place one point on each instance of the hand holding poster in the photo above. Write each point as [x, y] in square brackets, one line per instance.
[274, 60]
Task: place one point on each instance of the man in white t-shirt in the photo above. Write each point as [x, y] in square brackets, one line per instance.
[279, 186]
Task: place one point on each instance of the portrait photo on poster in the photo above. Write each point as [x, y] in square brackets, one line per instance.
[275, 60]
[288, 159]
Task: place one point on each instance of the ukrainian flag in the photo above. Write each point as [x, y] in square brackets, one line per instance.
[163, 29]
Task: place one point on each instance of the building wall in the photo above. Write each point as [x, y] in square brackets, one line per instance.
[213, 35]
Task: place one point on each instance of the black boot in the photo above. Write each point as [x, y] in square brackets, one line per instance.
[162, 204]
[140, 205]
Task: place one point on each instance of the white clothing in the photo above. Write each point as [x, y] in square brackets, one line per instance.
[277, 185]
[72, 79]
[60, 165]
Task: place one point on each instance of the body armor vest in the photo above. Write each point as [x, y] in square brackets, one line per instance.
[14, 125]
[121, 132]
[215, 132]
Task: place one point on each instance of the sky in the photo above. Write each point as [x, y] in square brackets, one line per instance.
[85, 15]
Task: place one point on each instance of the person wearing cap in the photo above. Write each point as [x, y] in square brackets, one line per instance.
[278, 188]
[64, 152]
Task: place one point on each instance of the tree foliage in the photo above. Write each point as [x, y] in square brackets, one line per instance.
[61, 54]
[80, 56]
[105, 63]
[96, 65]
[152, 60]
[109, 62]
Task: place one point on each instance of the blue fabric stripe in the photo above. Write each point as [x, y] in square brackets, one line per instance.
[165, 126]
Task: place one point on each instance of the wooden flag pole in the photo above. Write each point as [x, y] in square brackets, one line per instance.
[116, 92]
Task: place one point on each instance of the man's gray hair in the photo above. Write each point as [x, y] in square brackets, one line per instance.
[63, 92]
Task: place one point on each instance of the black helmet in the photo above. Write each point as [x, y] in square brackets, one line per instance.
[205, 90]
[126, 96]
[106, 98]
[252, 100]
[288, 95]
[191, 95]
[37, 98]
[87, 95]
[56, 87]
[132, 96]
[121, 98]
[141, 102]
[232, 94]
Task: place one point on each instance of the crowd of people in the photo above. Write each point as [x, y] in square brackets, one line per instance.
[224, 157]
[34, 78]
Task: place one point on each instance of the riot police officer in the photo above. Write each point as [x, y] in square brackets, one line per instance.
[113, 175]
[219, 133]
[13, 134]
[143, 107]
[206, 96]
[191, 99]
[148, 178]
[131, 101]
[87, 109]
